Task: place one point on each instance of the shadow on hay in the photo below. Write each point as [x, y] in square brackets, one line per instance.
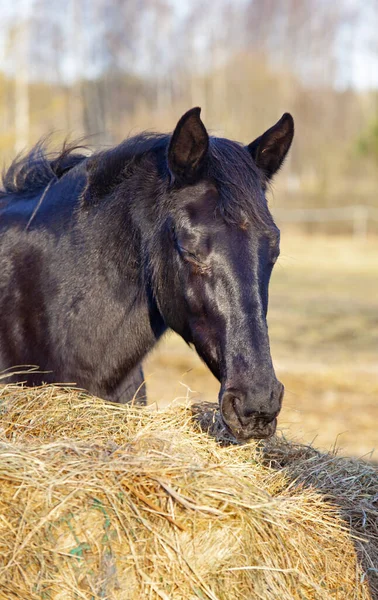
[348, 483]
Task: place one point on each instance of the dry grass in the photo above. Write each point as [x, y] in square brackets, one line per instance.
[104, 501]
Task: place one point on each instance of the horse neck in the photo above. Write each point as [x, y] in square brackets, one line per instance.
[115, 246]
[127, 228]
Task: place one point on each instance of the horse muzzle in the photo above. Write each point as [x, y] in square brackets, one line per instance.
[247, 416]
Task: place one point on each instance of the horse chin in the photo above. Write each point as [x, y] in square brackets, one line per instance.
[253, 431]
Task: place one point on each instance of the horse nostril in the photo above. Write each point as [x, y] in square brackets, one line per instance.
[244, 416]
[231, 407]
[235, 409]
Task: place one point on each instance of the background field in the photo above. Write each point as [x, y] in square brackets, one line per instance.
[323, 322]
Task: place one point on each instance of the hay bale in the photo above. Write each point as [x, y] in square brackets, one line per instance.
[106, 501]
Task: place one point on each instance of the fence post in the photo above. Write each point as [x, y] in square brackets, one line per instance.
[360, 222]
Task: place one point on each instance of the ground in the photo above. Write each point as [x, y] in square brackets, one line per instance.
[323, 323]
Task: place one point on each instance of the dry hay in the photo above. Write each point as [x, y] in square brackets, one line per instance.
[105, 501]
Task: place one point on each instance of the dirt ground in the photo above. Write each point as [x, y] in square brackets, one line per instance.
[323, 323]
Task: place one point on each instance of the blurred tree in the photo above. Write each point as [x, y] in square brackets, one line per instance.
[367, 144]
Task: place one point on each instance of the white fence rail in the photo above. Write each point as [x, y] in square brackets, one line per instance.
[358, 215]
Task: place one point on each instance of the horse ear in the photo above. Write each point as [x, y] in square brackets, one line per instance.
[269, 150]
[188, 147]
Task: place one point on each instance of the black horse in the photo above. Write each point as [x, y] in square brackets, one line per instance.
[101, 254]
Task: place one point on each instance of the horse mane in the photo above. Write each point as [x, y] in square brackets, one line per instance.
[229, 165]
[32, 172]
[107, 168]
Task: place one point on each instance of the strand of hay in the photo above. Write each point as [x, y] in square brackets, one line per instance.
[106, 501]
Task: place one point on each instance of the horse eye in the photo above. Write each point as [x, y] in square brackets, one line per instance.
[187, 254]
[193, 260]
